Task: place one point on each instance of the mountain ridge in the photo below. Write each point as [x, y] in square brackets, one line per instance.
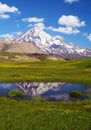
[52, 45]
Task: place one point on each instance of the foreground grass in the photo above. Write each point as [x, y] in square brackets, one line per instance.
[77, 71]
[39, 115]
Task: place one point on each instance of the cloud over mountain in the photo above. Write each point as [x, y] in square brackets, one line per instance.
[66, 30]
[68, 25]
[70, 21]
[68, 18]
[40, 26]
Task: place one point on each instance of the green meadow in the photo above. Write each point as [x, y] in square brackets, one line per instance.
[43, 115]
[39, 114]
[73, 71]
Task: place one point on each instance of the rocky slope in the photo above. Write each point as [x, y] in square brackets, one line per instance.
[19, 48]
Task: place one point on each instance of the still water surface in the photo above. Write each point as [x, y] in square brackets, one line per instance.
[56, 91]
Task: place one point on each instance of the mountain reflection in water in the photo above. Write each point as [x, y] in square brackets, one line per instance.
[52, 91]
[56, 91]
[36, 89]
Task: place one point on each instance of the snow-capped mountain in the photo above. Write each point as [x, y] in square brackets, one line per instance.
[52, 45]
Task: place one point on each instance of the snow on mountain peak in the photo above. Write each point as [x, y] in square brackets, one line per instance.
[51, 45]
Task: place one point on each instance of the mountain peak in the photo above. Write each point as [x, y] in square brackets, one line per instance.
[52, 45]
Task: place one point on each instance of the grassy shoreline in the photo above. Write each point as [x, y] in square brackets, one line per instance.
[74, 71]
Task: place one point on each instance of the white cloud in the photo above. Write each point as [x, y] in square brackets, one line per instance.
[71, 21]
[4, 16]
[33, 19]
[66, 30]
[59, 37]
[6, 36]
[89, 37]
[68, 25]
[40, 26]
[10, 35]
[71, 1]
[35, 22]
[4, 9]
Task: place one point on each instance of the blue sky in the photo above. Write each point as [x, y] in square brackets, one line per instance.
[70, 19]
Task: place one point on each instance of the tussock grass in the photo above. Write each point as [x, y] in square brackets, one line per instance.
[16, 93]
[76, 94]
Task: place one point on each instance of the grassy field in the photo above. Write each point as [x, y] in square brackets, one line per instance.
[76, 71]
[42, 115]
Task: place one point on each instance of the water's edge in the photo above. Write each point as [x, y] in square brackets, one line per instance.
[52, 91]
